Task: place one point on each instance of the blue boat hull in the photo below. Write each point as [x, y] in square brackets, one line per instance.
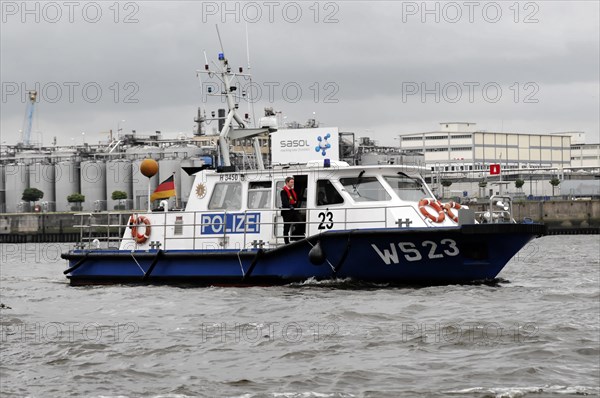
[424, 256]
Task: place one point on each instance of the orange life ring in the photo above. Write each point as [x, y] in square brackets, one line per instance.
[452, 205]
[435, 205]
[135, 223]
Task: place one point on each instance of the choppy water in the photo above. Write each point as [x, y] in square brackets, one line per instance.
[535, 334]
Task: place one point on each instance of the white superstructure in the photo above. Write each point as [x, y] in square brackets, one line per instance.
[237, 210]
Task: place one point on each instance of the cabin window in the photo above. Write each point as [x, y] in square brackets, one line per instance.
[327, 194]
[407, 188]
[365, 189]
[259, 195]
[226, 196]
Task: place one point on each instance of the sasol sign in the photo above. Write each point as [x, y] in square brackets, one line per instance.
[304, 145]
[294, 144]
[230, 223]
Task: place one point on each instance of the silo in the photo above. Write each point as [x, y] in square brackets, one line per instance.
[182, 151]
[42, 177]
[172, 162]
[144, 151]
[29, 156]
[140, 186]
[17, 180]
[132, 152]
[188, 180]
[2, 189]
[167, 168]
[139, 182]
[93, 185]
[67, 183]
[118, 178]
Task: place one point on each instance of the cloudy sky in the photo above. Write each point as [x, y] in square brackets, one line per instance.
[378, 69]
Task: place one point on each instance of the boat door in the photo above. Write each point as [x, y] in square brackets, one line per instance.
[328, 209]
[301, 188]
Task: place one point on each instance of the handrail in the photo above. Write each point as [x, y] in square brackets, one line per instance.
[498, 216]
[94, 229]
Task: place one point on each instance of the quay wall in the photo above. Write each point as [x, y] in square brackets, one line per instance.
[54, 227]
[562, 216]
[556, 213]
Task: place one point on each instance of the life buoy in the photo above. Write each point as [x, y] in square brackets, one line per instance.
[134, 223]
[452, 205]
[435, 205]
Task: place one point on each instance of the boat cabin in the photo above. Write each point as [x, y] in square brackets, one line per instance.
[242, 209]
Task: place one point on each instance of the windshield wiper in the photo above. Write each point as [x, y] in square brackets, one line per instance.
[358, 182]
[403, 174]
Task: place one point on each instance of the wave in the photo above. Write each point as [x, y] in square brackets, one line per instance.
[513, 392]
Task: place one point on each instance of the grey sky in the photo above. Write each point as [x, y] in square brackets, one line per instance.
[369, 60]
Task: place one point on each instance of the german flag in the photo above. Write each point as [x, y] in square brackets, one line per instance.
[165, 190]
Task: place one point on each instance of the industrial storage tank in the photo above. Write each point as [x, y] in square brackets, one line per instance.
[93, 185]
[144, 151]
[140, 186]
[16, 180]
[2, 189]
[182, 151]
[67, 183]
[167, 168]
[171, 164]
[118, 178]
[187, 181]
[42, 177]
[30, 156]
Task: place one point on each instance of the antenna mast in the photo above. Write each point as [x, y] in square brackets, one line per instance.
[219, 35]
[223, 73]
[250, 99]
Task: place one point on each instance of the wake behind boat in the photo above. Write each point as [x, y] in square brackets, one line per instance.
[378, 224]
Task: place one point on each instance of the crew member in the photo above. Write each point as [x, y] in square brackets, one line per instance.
[289, 203]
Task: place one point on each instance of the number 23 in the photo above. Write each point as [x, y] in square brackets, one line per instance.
[325, 217]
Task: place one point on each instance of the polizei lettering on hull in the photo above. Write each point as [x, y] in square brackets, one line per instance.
[416, 252]
[294, 144]
[231, 223]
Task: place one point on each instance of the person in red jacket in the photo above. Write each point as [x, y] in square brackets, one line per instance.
[289, 204]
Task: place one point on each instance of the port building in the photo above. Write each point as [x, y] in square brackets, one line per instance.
[460, 146]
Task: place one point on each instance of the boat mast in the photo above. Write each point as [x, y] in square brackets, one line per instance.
[222, 71]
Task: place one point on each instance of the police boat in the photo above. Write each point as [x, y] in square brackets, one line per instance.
[374, 224]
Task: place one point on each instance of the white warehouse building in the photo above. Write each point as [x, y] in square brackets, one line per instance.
[582, 154]
[459, 146]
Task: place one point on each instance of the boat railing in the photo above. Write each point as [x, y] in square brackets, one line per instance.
[500, 210]
[100, 235]
[112, 233]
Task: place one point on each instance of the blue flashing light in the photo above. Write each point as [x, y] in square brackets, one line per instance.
[221, 56]
[326, 162]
